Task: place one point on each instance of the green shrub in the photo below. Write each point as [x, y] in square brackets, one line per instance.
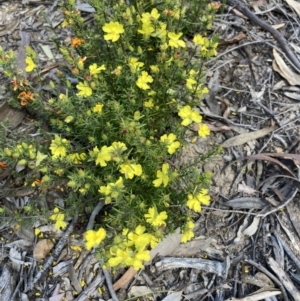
[126, 97]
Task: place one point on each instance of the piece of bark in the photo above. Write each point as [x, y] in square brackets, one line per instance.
[14, 116]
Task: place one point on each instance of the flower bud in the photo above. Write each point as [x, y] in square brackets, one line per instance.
[7, 151]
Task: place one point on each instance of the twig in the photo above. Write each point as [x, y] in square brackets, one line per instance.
[258, 214]
[17, 289]
[96, 210]
[275, 33]
[57, 250]
[265, 271]
[110, 285]
[97, 282]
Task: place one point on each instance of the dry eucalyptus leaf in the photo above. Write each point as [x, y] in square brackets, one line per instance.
[247, 137]
[295, 5]
[251, 230]
[20, 243]
[246, 203]
[292, 95]
[15, 256]
[173, 297]
[169, 244]
[295, 47]
[242, 187]
[58, 297]
[279, 85]
[42, 249]
[261, 294]
[191, 248]
[47, 51]
[240, 235]
[281, 67]
[277, 26]
[256, 280]
[138, 291]
[85, 7]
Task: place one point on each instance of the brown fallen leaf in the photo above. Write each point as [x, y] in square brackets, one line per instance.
[240, 36]
[265, 157]
[42, 249]
[244, 138]
[294, 157]
[281, 67]
[258, 4]
[129, 274]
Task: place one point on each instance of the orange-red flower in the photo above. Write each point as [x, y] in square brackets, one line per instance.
[25, 97]
[76, 42]
[3, 165]
[17, 84]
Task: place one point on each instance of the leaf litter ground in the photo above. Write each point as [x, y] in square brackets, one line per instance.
[247, 242]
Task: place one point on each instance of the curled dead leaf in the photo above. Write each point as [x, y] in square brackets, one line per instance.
[281, 67]
[42, 249]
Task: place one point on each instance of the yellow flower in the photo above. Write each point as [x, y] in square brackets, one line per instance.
[186, 236]
[30, 64]
[162, 176]
[39, 158]
[98, 108]
[198, 40]
[155, 219]
[188, 115]
[58, 147]
[116, 150]
[150, 17]
[59, 219]
[106, 190]
[134, 64]
[130, 170]
[122, 257]
[154, 68]
[94, 238]
[201, 91]
[170, 141]
[194, 201]
[161, 32]
[113, 31]
[85, 89]
[149, 103]
[103, 156]
[117, 71]
[94, 69]
[68, 119]
[174, 40]
[143, 80]
[138, 258]
[188, 233]
[146, 30]
[190, 82]
[112, 189]
[76, 158]
[203, 130]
